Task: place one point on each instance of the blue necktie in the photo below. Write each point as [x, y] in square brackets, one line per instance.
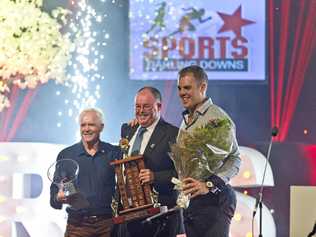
[138, 141]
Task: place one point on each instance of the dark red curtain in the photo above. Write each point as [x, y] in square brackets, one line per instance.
[291, 42]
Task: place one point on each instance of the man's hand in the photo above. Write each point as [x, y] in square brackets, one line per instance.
[133, 122]
[146, 176]
[194, 187]
[61, 197]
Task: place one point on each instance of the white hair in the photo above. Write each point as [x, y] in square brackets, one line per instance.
[97, 112]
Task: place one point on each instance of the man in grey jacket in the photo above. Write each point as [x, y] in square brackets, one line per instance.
[213, 201]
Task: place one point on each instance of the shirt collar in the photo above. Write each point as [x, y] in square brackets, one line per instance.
[152, 126]
[204, 107]
[82, 151]
[201, 109]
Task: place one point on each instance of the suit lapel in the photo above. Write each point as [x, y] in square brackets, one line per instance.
[130, 131]
[156, 136]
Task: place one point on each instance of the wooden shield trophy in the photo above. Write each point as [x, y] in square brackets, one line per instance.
[138, 200]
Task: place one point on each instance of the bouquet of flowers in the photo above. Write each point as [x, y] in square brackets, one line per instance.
[200, 153]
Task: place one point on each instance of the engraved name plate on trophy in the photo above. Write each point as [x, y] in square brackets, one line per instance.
[137, 200]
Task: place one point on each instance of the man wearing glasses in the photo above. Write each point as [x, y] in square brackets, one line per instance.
[156, 136]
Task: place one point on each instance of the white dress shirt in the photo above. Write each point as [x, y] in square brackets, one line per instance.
[146, 136]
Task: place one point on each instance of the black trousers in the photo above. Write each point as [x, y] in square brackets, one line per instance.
[210, 215]
[168, 226]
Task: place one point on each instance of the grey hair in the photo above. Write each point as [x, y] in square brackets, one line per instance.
[154, 91]
[97, 112]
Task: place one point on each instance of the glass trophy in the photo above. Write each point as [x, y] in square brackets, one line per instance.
[64, 173]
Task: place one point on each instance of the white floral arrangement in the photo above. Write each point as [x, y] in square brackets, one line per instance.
[32, 48]
[199, 153]
[183, 201]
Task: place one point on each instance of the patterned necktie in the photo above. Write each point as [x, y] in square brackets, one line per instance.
[138, 141]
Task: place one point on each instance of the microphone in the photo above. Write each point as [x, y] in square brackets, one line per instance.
[274, 132]
[256, 206]
[164, 212]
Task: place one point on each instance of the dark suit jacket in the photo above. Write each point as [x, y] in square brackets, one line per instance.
[157, 159]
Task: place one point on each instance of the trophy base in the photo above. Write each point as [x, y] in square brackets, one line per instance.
[136, 214]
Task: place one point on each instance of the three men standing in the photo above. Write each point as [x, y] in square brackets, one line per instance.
[213, 201]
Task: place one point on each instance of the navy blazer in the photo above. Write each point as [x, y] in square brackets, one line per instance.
[157, 159]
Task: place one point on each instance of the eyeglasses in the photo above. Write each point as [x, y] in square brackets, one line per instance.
[145, 107]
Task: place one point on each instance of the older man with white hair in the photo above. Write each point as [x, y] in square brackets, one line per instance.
[96, 180]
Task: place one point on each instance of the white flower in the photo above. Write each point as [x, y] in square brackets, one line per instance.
[4, 102]
[32, 48]
[183, 200]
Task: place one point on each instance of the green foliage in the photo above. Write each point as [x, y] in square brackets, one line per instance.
[193, 158]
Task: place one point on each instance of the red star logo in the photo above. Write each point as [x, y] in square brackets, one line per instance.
[233, 22]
